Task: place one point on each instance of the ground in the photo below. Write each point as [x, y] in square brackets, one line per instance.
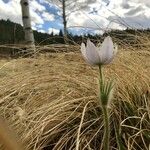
[43, 99]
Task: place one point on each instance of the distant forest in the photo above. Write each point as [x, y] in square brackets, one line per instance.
[12, 33]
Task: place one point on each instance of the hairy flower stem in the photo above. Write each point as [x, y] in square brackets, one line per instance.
[106, 135]
[101, 77]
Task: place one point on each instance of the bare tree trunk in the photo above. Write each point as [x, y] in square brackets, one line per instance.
[64, 17]
[29, 37]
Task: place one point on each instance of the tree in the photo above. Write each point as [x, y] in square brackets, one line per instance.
[64, 17]
[29, 37]
[67, 7]
[60, 33]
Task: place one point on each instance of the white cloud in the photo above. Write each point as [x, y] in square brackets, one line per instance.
[12, 10]
[144, 2]
[48, 17]
[35, 17]
[37, 6]
[34, 28]
[113, 14]
[55, 31]
[133, 13]
[42, 31]
[95, 14]
[39, 26]
[97, 21]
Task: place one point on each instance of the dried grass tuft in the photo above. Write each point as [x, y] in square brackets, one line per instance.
[51, 101]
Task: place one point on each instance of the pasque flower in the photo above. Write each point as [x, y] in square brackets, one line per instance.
[99, 55]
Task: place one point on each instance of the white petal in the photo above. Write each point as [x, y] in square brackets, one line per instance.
[83, 51]
[114, 54]
[108, 61]
[92, 53]
[106, 50]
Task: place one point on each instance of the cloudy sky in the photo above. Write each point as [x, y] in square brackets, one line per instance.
[83, 16]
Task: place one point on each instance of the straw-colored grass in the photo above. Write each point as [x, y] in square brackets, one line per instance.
[51, 102]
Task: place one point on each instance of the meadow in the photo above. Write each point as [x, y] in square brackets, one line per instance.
[51, 101]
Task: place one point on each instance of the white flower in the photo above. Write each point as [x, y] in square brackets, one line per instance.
[99, 55]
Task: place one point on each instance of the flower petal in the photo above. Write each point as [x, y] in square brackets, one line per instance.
[92, 53]
[106, 51]
[83, 51]
[114, 54]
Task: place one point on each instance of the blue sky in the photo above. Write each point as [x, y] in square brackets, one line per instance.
[92, 16]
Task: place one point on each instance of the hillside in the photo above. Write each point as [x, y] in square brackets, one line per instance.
[12, 33]
[49, 100]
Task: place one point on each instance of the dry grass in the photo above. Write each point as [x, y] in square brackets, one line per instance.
[51, 102]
